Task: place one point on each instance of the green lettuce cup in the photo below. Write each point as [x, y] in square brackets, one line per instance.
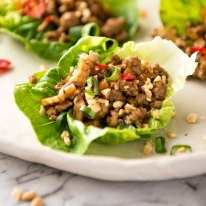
[50, 34]
[184, 24]
[175, 14]
[49, 132]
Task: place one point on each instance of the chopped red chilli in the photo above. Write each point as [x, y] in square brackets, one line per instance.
[198, 49]
[127, 76]
[101, 66]
[107, 99]
[48, 19]
[4, 65]
[35, 8]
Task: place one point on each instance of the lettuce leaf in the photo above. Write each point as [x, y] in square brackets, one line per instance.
[82, 135]
[24, 28]
[177, 13]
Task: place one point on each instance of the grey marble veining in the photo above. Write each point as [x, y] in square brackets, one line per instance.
[64, 189]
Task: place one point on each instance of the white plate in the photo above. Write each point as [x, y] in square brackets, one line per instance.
[123, 162]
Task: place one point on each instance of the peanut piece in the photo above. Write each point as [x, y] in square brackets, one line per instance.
[16, 193]
[37, 201]
[191, 118]
[28, 196]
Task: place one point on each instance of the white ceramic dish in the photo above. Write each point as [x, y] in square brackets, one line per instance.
[123, 162]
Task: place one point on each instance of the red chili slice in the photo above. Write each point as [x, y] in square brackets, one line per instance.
[4, 65]
[198, 49]
[101, 66]
[48, 19]
[35, 8]
[127, 76]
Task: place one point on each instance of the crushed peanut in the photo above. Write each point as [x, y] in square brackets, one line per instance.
[93, 56]
[106, 92]
[121, 112]
[148, 148]
[181, 150]
[191, 118]
[16, 193]
[155, 114]
[129, 107]
[157, 79]
[103, 101]
[202, 118]
[118, 104]
[164, 79]
[145, 125]
[28, 196]
[204, 137]
[37, 201]
[66, 137]
[171, 134]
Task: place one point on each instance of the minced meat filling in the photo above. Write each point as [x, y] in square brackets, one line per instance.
[124, 97]
[191, 41]
[61, 15]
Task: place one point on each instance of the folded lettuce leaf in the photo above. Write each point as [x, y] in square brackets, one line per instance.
[177, 13]
[24, 28]
[173, 60]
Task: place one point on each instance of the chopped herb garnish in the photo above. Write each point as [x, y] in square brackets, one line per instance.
[176, 147]
[160, 145]
[88, 112]
[92, 87]
[112, 73]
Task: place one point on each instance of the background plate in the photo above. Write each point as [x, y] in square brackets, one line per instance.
[123, 162]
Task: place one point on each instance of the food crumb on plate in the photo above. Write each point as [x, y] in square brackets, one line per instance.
[204, 137]
[148, 148]
[191, 118]
[202, 118]
[28, 196]
[37, 201]
[16, 193]
[171, 134]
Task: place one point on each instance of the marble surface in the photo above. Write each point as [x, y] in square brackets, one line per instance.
[64, 189]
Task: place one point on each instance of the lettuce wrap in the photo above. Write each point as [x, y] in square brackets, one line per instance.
[175, 14]
[177, 64]
[184, 24]
[25, 28]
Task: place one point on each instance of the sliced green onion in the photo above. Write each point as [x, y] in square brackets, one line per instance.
[75, 33]
[61, 121]
[175, 147]
[112, 73]
[92, 87]
[160, 145]
[88, 112]
[91, 29]
[189, 42]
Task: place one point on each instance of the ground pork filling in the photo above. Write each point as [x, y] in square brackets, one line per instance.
[61, 15]
[191, 41]
[127, 96]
